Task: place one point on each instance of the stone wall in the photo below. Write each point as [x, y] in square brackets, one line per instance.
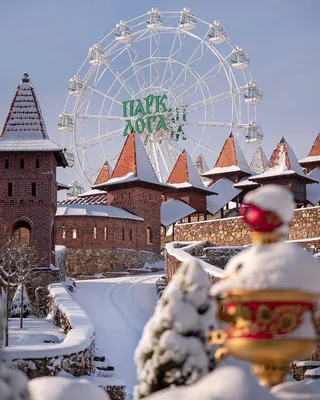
[219, 256]
[177, 253]
[95, 261]
[233, 232]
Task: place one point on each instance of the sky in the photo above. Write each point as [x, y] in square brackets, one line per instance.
[50, 39]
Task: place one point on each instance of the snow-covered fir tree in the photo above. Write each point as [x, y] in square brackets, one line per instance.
[173, 350]
[16, 303]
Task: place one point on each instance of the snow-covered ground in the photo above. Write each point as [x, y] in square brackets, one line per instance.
[119, 309]
[35, 331]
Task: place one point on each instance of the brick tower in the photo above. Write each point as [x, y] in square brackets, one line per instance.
[134, 187]
[185, 183]
[28, 186]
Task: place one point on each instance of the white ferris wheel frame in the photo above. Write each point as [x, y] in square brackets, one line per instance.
[158, 152]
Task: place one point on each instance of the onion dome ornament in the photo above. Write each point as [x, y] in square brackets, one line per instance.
[268, 298]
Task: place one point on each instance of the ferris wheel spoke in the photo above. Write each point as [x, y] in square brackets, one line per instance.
[136, 69]
[163, 158]
[198, 144]
[214, 124]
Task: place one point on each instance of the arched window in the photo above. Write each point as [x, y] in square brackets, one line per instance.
[130, 235]
[63, 232]
[105, 233]
[95, 232]
[149, 235]
[123, 234]
[22, 232]
[74, 233]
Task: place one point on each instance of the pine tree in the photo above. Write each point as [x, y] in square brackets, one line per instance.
[16, 303]
[172, 350]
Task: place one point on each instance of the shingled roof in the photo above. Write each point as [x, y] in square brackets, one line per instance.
[282, 163]
[133, 166]
[259, 161]
[230, 161]
[313, 158]
[184, 174]
[24, 128]
[104, 174]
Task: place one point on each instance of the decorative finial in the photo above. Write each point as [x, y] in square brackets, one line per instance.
[230, 134]
[25, 78]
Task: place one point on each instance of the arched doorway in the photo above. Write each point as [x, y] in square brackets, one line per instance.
[22, 232]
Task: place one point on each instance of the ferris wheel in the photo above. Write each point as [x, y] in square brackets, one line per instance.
[170, 76]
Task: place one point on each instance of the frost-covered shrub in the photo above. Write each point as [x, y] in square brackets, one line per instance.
[172, 350]
[16, 303]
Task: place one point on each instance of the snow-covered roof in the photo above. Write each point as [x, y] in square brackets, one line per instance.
[173, 210]
[283, 162]
[92, 192]
[184, 171]
[314, 153]
[231, 159]
[259, 161]
[226, 192]
[24, 129]
[133, 164]
[91, 210]
[313, 190]
[245, 184]
[104, 174]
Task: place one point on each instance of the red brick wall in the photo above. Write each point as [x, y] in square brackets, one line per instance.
[145, 203]
[85, 226]
[38, 211]
[195, 200]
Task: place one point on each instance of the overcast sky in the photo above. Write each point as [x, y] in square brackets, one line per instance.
[50, 39]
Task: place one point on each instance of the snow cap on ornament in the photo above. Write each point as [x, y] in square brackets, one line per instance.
[268, 210]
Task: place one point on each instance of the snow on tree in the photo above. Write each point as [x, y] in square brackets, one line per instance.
[173, 350]
[15, 308]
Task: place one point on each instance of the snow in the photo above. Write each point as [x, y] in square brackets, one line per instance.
[241, 160]
[94, 210]
[193, 174]
[273, 198]
[60, 388]
[221, 170]
[307, 389]
[280, 166]
[307, 363]
[310, 159]
[243, 183]
[313, 190]
[312, 372]
[259, 161]
[78, 338]
[285, 266]
[173, 210]
[182, 255]
[174, 338]
[15, 307]
[225, 383]
[226, 192]
[145, 170]
[119, 309]
[92, 193]
[30, 141]
[35, 331]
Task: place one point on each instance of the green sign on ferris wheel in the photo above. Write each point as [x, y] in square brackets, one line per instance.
[154, 116]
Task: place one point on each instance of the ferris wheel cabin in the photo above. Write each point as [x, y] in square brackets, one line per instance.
[123, 32]
[65, 123]
[154, 19]
[253, 134]
[187, 20]
[75, 189]
[95, 55]
[75, 86]
[253, 94]
[239, 58]
[217, 34]
[70, 158]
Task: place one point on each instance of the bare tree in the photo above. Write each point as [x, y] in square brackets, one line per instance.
[17, 266]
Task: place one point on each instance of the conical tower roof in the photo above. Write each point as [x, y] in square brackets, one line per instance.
[104, 174]
[133, 165]
[313, 158]
[259, 161]
[283, 162]
[231, 160]
[184, 171]
[24, 128]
